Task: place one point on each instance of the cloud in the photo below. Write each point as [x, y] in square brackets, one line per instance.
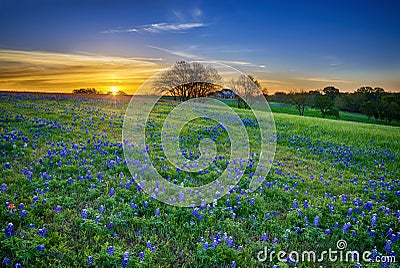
[159, 27]
[52, 71]
[196, 57]
[322, 79]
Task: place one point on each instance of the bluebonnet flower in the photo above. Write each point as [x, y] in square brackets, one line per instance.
[349, 212]
[90, 260]
[264, 237]
[21, 206]
[328, 231]
[6, 261]
[368, 205]
[40, 247]
[371, 233]
[124, 262]
[101, 209]
[240, 248]
[58, 208]
[42, 232]
[233, 264]
[4, 187]
[316, 221]
[146, 204]
[374, 219]
[205, 246]
[84, 213]
[157, 212]
[305, 204]
[148, 244]
[252, 202]
[97, 219]
[346, 227]
[110, 250]
[295, 204]
[336, 225]
[126, 255]
[24, 213]
[230, 242]
[389, 232]
[153, 249]
[10, 230]
[18, 265]
[275, 240]
[388, 246]
[141, 255]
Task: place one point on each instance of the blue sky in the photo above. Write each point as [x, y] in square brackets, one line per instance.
[284, 44]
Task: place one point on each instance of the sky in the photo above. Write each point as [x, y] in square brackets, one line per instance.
[57, 46]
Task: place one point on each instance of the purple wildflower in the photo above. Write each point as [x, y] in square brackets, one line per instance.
[10, 230]
[110, 250]
[6, 261]
[84, 213]
[316, 221]
[90, 260]
[346, 227]
[141, 255]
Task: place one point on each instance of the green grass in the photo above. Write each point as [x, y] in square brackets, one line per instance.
[323, 161]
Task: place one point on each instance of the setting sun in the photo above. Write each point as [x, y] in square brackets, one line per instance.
[114, 90]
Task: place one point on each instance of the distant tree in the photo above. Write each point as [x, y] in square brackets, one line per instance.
[184, 80]
[119, 92]
[86, 91]
[368, 108]
[247, 88]
[326, 105]
[331, 92]
[300, 100]
[390, 109]
[279, 97]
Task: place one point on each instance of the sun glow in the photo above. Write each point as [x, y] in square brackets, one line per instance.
[114, 90]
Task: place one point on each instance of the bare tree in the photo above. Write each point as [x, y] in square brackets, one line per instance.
[187, 80]
[247, 88]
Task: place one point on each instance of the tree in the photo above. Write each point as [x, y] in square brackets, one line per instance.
[247, 88]
[86, 91]
[326, 105]
[331, 92]
[187, 80]
[300, 100]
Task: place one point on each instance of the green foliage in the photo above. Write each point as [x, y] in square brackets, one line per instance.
[321, 161]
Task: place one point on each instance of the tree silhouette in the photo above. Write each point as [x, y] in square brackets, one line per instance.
[185, 80]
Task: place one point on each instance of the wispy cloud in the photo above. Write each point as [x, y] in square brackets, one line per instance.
[159, 27]
[322, 79]
[52, 71]
[190, 56]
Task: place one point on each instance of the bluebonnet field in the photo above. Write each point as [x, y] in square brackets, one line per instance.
[68, 198]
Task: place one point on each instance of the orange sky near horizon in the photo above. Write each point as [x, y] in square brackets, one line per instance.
[39, 71]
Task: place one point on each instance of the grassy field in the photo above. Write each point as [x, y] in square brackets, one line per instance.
[277, 107]
[69, 199]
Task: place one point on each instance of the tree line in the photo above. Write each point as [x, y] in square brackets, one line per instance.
[92, 90]
[373, 102]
